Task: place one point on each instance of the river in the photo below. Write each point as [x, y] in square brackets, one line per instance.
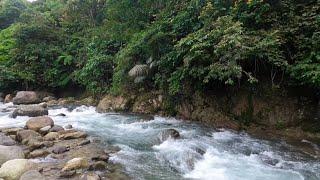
[201, 152]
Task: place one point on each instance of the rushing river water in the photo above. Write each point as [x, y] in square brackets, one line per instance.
[201, 153]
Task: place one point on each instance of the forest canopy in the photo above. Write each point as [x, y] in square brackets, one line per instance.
[167, 45]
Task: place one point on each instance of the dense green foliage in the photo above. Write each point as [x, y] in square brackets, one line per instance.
[197, 44]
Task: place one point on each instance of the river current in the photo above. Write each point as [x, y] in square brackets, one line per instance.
[200, 153]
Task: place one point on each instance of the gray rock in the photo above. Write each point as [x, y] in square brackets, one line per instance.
[10, 152]
[26, 97]
[45, 130]
[30, 110]
[6, 141]
[60, 149]
[32, 175]
[56, 128]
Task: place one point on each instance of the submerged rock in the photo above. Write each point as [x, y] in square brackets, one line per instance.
[61, 114]
[69, 126]
[26, 97]
[168, 133]
[13, 169]
[30, 110]
[37, 123]
[10, 152]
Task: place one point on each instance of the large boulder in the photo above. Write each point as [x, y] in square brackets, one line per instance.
[76, 163]
[13, 169]
[8, 98]
[168, 133]
[26, 97]
[31, 111]
[27, 135]
[37, 123]
[10, 152]
[32, 175]
[6, 141]
[112, 103]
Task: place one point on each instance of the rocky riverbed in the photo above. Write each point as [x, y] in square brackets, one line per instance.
[60, 139]
[43, 150]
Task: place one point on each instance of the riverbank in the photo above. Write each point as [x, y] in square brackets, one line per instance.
[276, 116]
[38, 148]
